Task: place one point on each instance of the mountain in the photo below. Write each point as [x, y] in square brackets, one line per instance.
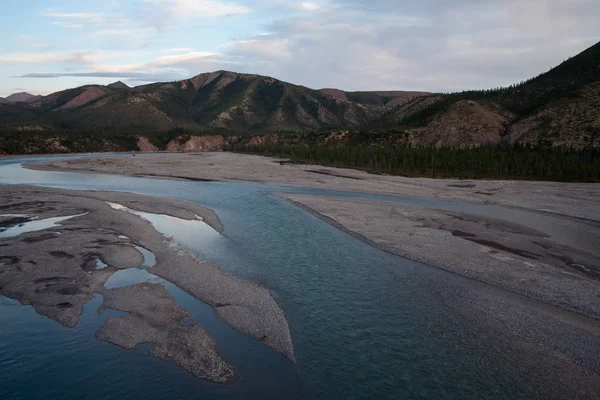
[118, 85]
[220, 101]
[22, 97]
[560, 107]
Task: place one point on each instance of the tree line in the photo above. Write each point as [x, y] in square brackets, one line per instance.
[502, 161]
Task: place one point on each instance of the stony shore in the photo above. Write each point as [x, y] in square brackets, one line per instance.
[154, 317]
[54, 270]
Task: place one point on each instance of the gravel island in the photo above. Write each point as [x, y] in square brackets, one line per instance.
[59, 247]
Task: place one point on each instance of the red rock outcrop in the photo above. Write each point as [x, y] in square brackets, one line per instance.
[197, 143]
[144, 144]
[91, 93]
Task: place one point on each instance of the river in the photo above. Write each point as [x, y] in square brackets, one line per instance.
[365, 323]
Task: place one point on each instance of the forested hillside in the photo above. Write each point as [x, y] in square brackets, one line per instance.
[559, 107]
[492, 162]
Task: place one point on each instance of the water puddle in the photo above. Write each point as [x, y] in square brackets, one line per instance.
[149, 257]
[132, 276]
[100, 264]
[178, 229]
[14, 215]
[183, 231]
[36, 225]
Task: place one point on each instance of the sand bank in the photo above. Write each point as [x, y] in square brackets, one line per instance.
[546, 265]
[55, 271]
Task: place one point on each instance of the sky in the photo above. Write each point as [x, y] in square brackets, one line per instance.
[431, 45]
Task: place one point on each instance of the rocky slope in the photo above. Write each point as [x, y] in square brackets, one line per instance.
[466, 123]
[560, 108]
[567, 122]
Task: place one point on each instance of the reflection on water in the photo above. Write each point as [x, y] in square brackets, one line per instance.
[149, 257]
[132, 276]
[182, 231]
[100, 264]
[36, 225]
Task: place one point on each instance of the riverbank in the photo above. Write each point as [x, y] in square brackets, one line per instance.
[58, 265]
[557, 266]
[578, 200]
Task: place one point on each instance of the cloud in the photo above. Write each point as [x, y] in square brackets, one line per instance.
[128, 33]
[350, 44]
[77, 15]
[162, 68]
[98, 74]
[189, 56]
[197, 9]
[29, 42]
[307, 6]
[113, 18]
[89, 18]
[427, 45]
[184, 65]
[269, 48]
[187, 65]
[141, 77]
[177, 50]
[68, 25]
[133, 28]
[73, 57]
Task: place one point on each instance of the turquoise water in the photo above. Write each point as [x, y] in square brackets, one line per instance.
[365, 324]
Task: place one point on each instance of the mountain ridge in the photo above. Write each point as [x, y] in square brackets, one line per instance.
[558, 108]
[215, 101]
[20, 97]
